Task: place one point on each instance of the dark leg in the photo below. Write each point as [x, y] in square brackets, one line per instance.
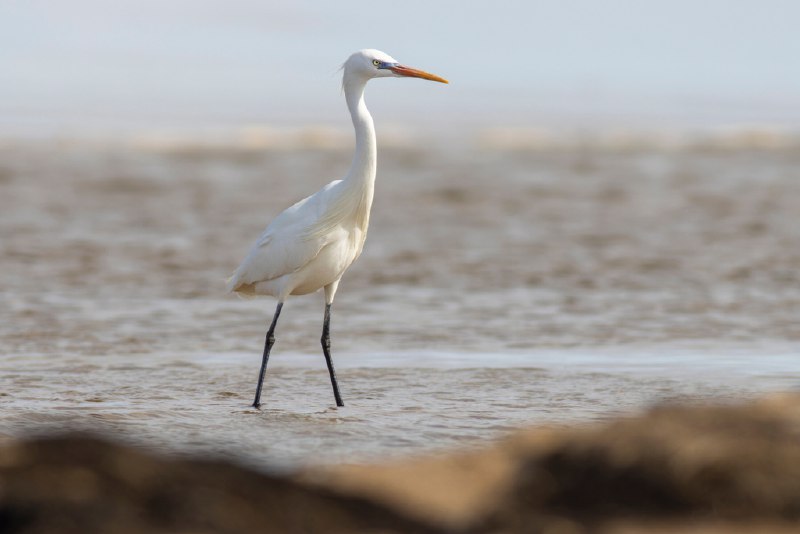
[326, 349]
[267, 347]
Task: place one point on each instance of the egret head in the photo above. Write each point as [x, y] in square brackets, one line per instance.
[369, 63]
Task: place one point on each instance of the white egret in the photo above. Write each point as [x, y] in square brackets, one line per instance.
[311, 244]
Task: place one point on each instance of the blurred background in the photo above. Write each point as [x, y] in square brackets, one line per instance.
[94, 67]
[598, 213]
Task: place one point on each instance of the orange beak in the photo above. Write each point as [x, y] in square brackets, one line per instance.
[402, 70]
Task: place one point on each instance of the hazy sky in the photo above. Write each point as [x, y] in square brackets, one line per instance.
[73, 63]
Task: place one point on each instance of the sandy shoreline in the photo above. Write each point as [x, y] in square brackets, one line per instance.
[603, 280]
[675, 469]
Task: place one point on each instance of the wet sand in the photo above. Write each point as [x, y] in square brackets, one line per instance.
[497, 288]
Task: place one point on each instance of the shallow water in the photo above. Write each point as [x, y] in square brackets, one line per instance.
[396, 403]
[497, 289]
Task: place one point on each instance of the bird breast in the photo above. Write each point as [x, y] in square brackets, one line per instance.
[331, 262]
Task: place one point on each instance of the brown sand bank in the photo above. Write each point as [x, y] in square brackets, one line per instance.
[673, 469]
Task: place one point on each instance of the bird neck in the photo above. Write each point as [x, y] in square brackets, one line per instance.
[359, 185]
[363, 168]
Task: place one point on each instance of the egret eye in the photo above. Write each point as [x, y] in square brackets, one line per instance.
[376, 62]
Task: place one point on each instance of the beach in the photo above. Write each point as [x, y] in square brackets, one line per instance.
[503, 284]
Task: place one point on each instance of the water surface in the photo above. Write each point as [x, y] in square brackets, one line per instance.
[498, 288]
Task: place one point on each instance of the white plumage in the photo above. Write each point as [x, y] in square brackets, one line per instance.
[306, 247]
[311, 244]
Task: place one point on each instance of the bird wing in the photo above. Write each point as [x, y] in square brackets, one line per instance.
[287, 244]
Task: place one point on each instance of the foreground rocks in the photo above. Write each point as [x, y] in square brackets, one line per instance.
[674, 469]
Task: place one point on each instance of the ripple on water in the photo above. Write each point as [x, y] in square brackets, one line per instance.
[389, 410]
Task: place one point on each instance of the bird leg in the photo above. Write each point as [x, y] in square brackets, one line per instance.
[267, 347]
[326, 349]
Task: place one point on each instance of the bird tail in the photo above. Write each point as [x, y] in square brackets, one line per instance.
[235, 285]
[232, 282]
